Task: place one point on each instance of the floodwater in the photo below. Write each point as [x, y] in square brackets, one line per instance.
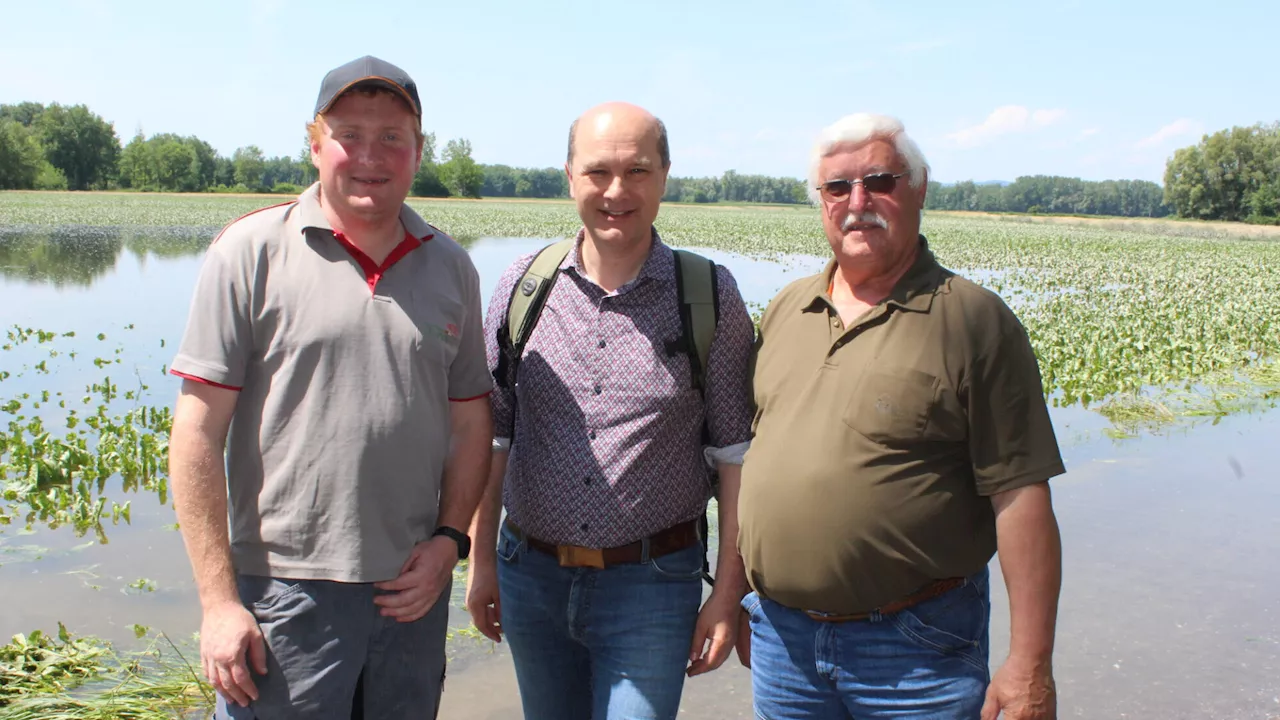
[1171, 598]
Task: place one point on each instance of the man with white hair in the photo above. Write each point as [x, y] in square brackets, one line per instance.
[901, 439]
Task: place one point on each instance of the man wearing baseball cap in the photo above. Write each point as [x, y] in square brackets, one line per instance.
[334, 349]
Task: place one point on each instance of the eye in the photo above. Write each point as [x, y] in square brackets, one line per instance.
[639, 171]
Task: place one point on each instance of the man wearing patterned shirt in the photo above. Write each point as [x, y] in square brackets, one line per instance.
[600, 457]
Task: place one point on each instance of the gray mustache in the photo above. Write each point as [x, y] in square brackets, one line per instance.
[869, 217]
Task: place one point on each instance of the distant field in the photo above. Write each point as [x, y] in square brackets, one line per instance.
[1113, 306]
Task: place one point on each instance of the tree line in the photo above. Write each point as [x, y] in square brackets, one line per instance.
[71, 148]
[1230, 175]
[1054, 195]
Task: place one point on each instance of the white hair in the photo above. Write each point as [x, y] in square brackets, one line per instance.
[857, 129]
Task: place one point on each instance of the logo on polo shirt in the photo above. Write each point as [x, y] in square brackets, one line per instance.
[446, 333]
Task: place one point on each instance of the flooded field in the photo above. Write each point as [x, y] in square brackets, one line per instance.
[1170, 510]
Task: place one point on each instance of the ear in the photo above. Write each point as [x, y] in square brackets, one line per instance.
[568, 174]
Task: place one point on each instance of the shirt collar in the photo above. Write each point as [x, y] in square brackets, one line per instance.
[914, 291]
[311, 214]
[660, 265]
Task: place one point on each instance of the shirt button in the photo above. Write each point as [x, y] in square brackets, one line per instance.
[592, 434]
[586, 481]
[597, 389]
[584, 527]
[602, 344]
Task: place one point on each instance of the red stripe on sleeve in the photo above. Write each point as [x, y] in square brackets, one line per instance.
[201, 380]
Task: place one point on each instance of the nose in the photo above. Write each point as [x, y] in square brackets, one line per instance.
[615, 189]
[859, 197]
[366, 152]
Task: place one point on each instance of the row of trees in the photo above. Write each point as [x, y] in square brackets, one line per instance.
[732, 187]
[55, 148]
[1229, 175]
[1052, 194]
[70, 148]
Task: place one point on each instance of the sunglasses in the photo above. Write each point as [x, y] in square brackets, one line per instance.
[878, 184]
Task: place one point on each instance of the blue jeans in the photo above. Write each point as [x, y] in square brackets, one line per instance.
[323, 638]
[598, 644]
[926, 662]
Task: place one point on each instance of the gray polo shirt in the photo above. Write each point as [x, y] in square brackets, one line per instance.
[345, 371]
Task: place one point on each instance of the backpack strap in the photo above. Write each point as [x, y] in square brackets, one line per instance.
[698, 294]
[530, 293]
[528, 296]
[699, 300]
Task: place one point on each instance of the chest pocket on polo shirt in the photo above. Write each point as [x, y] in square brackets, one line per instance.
[896, 406]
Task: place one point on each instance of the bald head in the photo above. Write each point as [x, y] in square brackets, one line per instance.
[615, 118]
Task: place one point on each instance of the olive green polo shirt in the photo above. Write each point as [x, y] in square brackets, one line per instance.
[877, 445]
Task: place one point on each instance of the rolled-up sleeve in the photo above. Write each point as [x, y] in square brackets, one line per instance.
[728, 394]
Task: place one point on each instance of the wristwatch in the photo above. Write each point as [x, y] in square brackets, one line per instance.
[464, 542]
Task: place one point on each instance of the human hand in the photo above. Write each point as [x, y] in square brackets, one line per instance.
[482, 598]
[1023, 690]
[714, 635]
[422, 578]
[228, 636]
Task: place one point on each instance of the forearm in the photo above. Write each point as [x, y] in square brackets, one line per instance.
[730, 574]
[198, 477]
[467, 469]
[1030, 550]
[484, 526]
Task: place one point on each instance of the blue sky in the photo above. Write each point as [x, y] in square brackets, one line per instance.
[990, 89]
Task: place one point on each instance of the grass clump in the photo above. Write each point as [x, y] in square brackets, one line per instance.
[62, 677]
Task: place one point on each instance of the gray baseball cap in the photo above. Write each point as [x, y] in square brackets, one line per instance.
[367, 70]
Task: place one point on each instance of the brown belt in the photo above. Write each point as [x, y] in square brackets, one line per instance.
[663, 542]
[928, 592]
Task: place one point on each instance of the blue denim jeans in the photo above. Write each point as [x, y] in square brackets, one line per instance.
[589, 644]
[926, 662]
[324, 637]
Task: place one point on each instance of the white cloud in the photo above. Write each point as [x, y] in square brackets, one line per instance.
[1003, 121]
[1089, 132]
[1175, 129]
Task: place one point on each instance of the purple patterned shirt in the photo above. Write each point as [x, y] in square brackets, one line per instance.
[607, 445]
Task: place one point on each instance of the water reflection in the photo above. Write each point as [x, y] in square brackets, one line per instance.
[59, 257]
[81, 255]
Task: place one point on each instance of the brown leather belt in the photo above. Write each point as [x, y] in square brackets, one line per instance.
[663, 542]
[928, 592]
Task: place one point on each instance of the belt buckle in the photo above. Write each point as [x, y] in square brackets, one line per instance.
[578, 556]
